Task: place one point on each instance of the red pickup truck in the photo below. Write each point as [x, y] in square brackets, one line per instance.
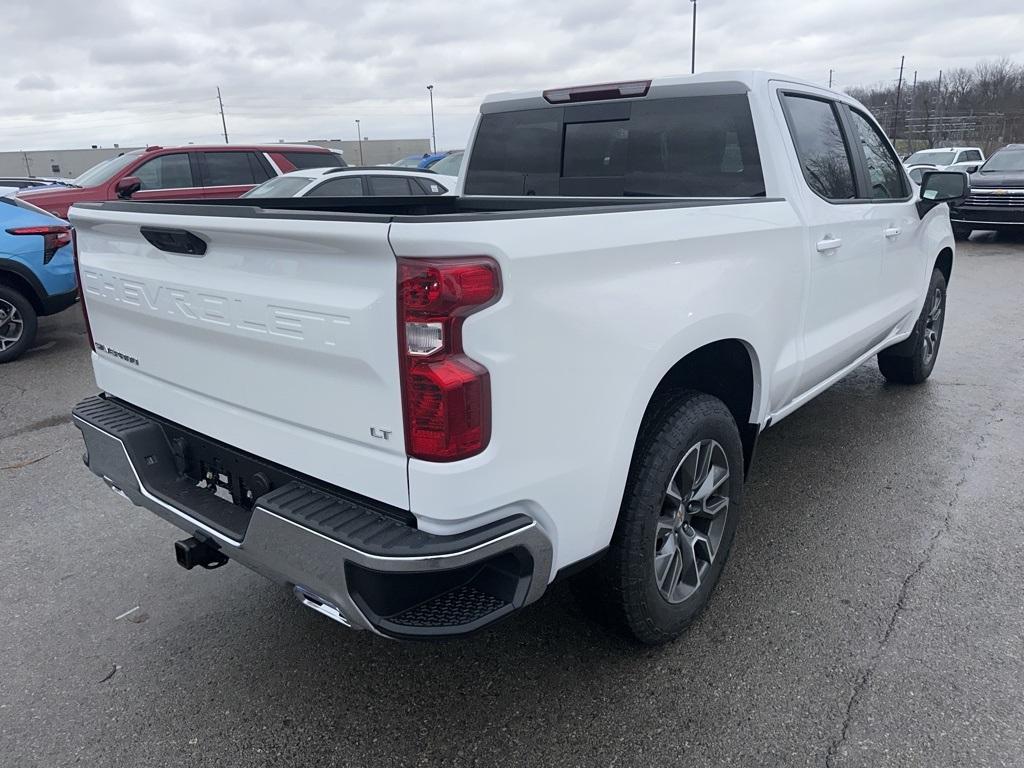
[165, 173]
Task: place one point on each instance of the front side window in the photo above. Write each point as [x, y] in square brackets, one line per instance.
[695, 146]
[820, 147]
[971, 155]
[884, 176]
[166, 172]
[230, 169]
[347, 186]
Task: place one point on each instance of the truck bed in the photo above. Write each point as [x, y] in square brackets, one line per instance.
[442, 208]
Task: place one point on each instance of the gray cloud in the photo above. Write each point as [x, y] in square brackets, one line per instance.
[35, 82]
[134, 73]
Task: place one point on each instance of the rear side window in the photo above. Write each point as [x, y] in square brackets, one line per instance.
[227, 169]
[166, 172]
[349, 186]
[304, 160]
[820, 147]
[391, 186]
[698, 146]
[884, 175]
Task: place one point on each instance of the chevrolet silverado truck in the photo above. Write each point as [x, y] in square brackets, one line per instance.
[417, 413]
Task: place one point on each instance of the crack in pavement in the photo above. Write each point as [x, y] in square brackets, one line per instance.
[837, 745]
[29, 462]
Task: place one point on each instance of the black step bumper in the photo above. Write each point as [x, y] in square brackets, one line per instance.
[359, 562]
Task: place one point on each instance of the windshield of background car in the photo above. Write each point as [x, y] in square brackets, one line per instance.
[1005, 160]
[105, 171]
[448, 166]
[694, 146]
[409, 162]
[930, 158]
[282, 186]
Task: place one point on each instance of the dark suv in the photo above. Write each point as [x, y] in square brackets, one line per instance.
[997, 195]
[171, 173]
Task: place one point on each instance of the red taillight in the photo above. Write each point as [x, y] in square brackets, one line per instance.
[81, 290]
[446, 395]
[54, 237]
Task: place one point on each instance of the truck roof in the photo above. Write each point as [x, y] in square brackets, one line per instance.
[725, 81]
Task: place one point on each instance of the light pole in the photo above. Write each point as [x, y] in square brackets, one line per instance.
[433, 132]
[359, 133]
[693, 40]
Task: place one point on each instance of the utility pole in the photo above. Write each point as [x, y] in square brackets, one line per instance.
[938, 103]
[433, 132]
[899, 91]
[910, 112]
[693, 40]
[830, 78]
[223, 122]
[359, 132]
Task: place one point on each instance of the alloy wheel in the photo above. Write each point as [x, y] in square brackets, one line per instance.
[932, 326]
[11, 325]
[691, 521]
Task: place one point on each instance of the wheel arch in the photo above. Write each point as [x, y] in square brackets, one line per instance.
[944, 263]
[728, 369]
[18, 277]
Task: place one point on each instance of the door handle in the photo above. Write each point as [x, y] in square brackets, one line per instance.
[892, 232]
[828, 244]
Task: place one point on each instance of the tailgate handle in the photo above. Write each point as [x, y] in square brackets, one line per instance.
[174, 240]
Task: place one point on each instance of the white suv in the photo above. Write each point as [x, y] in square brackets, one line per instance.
[942, 159]
[368, 181]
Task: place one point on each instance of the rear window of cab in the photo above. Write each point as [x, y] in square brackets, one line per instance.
[696, 146]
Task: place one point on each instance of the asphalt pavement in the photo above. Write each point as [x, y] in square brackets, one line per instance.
[872, 613]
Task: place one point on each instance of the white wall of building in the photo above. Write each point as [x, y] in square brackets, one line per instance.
[69, 163]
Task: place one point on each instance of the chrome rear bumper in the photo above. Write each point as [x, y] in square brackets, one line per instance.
[344, 556]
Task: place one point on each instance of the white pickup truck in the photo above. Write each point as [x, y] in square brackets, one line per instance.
[417, 413]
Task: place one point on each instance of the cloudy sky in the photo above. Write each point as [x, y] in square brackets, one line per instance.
[80, 73]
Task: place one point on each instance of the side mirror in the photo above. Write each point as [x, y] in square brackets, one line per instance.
[972, 168]
[939, 187]
[128, 186]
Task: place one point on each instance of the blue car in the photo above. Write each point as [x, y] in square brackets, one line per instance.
[37, 272]
[431, 158]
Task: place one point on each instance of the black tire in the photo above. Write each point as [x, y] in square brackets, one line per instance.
[622, 588]
[912, 361]
[19, 321]
[961, 233]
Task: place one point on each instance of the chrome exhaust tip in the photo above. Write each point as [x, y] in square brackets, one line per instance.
[318, 604]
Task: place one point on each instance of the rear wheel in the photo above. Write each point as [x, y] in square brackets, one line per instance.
[677, 521]
[912, 361]
[17, 324]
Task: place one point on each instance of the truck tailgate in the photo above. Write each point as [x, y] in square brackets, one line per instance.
[280, 339]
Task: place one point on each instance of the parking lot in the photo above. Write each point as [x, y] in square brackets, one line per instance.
[871, 613]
